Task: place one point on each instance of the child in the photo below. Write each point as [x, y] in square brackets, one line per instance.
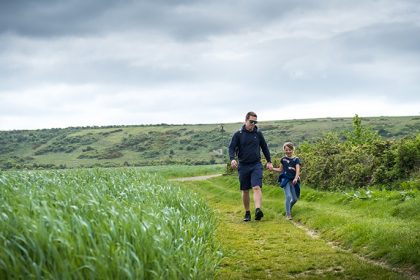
[289, 177]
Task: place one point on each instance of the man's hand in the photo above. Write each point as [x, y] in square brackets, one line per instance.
[269, 166]
[233, 164]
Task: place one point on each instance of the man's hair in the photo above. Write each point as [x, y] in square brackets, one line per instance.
[249, 114]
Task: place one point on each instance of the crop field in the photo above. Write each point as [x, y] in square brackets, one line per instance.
[102, 224]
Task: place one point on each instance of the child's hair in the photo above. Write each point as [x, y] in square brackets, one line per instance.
[289, 145]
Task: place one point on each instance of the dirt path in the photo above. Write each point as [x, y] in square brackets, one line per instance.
[196, 178]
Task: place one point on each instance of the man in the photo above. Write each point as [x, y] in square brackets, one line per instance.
[247, 143]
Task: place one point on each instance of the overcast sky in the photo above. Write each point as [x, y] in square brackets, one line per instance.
[85, 63]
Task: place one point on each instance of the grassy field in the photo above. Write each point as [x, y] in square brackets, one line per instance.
[103, 224]
[384, 229]
[379, 224]
[167, 144]
[132, 223]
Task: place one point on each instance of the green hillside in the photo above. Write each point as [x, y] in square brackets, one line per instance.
[167, 144]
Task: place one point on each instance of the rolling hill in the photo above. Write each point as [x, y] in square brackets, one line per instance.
[165, 144]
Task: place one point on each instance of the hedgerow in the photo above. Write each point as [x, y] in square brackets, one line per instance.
[360, 158]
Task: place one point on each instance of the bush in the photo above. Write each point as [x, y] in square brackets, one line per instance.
[362, 159]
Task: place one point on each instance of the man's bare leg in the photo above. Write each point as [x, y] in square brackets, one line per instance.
[245, 199]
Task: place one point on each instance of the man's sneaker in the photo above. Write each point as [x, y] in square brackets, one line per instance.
[247, 217]
[258, 214]
[289, 217]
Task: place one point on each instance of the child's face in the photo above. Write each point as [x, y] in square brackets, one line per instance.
[288, 151]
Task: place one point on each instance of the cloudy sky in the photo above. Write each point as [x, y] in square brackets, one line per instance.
[103, 62]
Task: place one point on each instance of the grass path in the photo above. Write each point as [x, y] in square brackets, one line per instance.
[275, 248]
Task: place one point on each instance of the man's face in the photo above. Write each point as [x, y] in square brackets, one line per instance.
[251, 122]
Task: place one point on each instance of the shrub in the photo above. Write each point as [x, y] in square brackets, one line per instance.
[361, 159]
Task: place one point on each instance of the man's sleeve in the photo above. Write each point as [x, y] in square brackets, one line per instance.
[264, 148]
[232, 146]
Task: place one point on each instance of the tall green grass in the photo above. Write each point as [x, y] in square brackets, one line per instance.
[378, 223]
[275, 248]
[102, 224]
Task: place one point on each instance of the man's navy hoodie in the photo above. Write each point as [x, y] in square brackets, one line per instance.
[248, 144]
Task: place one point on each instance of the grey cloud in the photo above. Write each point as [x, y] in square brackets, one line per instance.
[50, 18]
[166, 57]
[70, 18]
[182, 20]
[392, 38]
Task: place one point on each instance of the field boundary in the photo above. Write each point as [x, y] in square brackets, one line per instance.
[410, 273]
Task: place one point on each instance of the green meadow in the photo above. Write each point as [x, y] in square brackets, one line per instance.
[132, 223]
[333, 235]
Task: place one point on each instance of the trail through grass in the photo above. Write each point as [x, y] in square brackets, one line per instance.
[275, 248]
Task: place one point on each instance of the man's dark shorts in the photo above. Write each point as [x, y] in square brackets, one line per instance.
[250, 175]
